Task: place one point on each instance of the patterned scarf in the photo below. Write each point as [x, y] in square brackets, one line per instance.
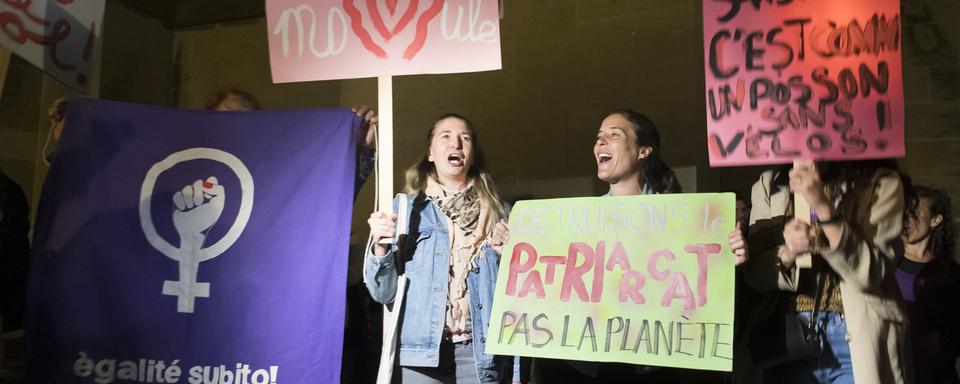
[469, 230]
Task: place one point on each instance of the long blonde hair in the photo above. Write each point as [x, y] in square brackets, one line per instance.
[418, 174]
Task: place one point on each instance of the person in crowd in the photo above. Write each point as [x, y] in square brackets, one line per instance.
[14, 254]
[232, 99]
[450, 258]
[14, 251]
[929, 278]
[854, 236]
[629, 159]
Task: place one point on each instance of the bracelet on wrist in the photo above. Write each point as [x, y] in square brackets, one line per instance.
[816, 219]
[835, 219]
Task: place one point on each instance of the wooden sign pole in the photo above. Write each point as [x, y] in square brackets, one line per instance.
[391, 312]
[385, 143]
[385, 154]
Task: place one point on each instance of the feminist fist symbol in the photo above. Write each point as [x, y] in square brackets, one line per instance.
[197, 208]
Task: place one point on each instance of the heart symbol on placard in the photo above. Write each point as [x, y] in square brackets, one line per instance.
[420, 37]
[377, 18]
[391, 6]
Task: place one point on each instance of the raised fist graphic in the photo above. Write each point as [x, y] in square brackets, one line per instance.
[197, 207]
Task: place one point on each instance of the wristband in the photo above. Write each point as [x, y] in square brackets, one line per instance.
[814, 218]
[833, 220]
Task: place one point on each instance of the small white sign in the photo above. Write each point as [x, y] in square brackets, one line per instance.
[57, 36]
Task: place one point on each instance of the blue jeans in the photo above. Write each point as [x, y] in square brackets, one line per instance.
[832, 366]
[457, 366]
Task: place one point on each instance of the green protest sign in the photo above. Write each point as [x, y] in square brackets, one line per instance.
[634, 279]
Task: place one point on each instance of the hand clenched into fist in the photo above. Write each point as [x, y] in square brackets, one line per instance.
[382, 226]
[501, 235]
[198, 206]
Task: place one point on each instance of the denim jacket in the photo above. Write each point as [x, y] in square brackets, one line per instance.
[424, 260]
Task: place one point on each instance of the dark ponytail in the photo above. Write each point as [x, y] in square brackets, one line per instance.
[656, 174]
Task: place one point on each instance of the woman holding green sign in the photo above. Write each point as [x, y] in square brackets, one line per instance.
[628, 156]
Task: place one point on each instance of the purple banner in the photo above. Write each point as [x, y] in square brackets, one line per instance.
[177, 246]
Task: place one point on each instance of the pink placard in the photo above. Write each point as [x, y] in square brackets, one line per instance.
[789, 79]
[342, 39]
[57, 36]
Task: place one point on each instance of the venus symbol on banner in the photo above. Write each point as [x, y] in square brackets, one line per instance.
[196, 208]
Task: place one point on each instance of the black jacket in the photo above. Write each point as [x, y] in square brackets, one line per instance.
[14, 250]
[934, 318]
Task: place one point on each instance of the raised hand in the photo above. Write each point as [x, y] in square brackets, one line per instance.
[368, 128]
[797, 238]
[197, 208]
[805, 180]
[501, 235]
[738, 245]
[382, 226]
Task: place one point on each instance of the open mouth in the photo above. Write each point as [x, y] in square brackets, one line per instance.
[604, 157]
[455, 159]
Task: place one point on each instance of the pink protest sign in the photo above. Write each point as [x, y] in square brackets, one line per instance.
[788, 79]
[56, 36]
[341, 39]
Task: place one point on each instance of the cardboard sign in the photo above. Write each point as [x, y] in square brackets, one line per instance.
[56, 36]
[634, 279]
[342, 39]
[788, 79]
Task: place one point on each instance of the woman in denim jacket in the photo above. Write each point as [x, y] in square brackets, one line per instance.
[450, 258]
